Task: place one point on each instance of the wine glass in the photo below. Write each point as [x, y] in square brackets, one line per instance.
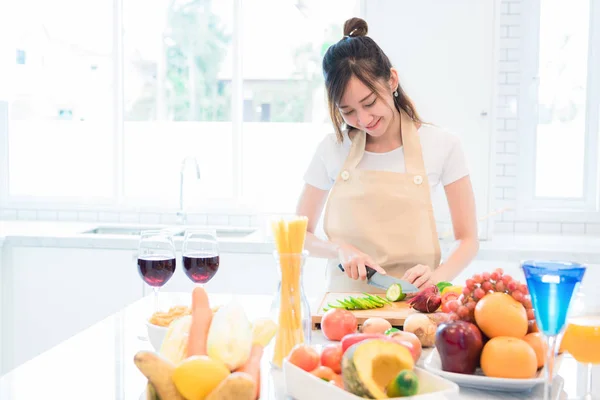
[200, 255]
[156, 259]
[582, 336]
[551, 285]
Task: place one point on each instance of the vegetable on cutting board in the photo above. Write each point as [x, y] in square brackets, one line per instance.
[366, 302]
[367, 367]
[394, 293]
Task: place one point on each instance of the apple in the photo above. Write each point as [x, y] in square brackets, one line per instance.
[403, 337]
[337, 323]
[459, 345]
[331, 357]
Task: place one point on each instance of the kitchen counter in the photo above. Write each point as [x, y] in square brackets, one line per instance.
[501, 247]
[98, 362]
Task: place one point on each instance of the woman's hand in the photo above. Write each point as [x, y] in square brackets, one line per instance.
[355, 262]
[420, 275]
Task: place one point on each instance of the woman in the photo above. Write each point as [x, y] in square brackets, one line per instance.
[376, 173]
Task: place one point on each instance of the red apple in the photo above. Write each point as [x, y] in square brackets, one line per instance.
[331, 357]
[337, 323]
[459, 345]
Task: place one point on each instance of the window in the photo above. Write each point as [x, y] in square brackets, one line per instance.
[106, 106]
[60, 110]
[561, 106]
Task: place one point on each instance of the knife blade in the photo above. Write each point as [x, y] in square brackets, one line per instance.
[383, 282]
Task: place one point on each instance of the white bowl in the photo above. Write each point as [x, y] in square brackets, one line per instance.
[156, 334]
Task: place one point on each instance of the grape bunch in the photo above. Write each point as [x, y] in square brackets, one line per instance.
[479, 285]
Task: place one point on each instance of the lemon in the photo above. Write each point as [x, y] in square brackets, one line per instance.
[197, 376]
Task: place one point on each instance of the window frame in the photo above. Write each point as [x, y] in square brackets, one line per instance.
[530, 207]
[118, 202]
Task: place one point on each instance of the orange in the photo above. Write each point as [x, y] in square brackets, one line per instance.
[508, 357]
[498, 314]
[537, 343]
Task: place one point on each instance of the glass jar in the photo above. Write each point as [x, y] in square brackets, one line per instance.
[290, 307]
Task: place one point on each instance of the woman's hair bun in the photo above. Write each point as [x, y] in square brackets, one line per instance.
[356, 27]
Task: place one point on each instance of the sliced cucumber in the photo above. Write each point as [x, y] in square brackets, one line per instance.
[394, 292]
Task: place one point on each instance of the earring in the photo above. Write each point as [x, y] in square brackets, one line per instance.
[396, 93]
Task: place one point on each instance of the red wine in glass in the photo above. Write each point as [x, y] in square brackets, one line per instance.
[156, 269]
[200, 267]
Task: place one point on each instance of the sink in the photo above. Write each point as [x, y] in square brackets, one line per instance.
[222, 232]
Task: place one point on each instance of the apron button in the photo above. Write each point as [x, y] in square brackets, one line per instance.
[345, 175]
[418, 179]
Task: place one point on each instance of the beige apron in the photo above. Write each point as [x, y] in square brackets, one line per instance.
[387, 215]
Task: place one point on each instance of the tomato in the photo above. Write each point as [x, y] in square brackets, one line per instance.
[446, 297]
[305, 357]
[331, 357]
[324, 373]
[337, 323]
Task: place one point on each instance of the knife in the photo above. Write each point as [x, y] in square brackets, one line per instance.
[383, 282]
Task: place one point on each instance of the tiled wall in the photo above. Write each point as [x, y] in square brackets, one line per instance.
[507, 149]
[506, 158]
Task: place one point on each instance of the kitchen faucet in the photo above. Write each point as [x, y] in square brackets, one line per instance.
[181, 214]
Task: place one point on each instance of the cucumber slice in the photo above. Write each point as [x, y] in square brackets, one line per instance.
[394, 292]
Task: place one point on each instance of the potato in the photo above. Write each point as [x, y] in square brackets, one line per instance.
[376, 325]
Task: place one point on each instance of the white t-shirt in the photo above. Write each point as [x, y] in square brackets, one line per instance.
[443, 155]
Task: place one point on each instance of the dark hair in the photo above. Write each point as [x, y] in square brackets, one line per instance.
[358, 55]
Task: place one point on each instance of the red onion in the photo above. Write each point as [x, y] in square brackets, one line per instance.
[427, 300]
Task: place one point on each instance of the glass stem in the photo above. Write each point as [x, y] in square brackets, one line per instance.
[588, 389]
[155, 298]
[550, 367]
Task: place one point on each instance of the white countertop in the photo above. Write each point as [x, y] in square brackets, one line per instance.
[502, 247]
[98, 362]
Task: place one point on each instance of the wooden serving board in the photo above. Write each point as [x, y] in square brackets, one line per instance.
[395, 313]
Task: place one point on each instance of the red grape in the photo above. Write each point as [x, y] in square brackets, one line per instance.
[507, 279]
[512, 286]
[478, 293]
[518, 296]
[453, 317]
[477, 278]
[487, 286]
[486, 276]
[470, 283]
[523, 288]
[527, 302]
[462, 312]
[494, 276]
[471, 305]
[466, 291]
[530, 314]
[500, 287]
[500, 271]
[453, 305]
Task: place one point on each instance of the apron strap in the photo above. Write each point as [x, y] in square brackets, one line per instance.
[413, 154]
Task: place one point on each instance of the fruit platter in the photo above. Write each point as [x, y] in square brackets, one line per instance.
[479, 334]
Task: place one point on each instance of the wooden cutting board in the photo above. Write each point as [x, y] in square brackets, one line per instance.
[395, 313]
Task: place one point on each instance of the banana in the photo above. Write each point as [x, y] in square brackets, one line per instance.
[159, 372]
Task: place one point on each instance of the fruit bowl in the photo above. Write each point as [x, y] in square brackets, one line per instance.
[433, 364]
[302, 385]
